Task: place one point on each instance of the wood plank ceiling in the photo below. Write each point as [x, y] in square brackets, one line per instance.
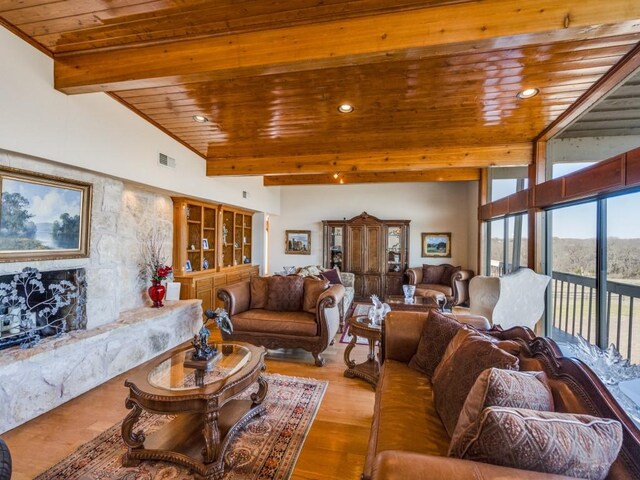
[433, 83]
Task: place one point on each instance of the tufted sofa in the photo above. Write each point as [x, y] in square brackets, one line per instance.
[5, 461]
[409, 441]
[307, 323]
[447, 279]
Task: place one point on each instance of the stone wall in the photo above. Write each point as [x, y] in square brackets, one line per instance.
[38, 379]
[121, 215]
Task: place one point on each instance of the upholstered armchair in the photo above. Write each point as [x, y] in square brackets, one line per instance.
[516, 299]
[447, 279]
[276, 312]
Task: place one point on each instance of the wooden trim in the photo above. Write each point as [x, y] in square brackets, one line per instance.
[154, 123]
[372, 161]
[409, 34]
[439, 175]
[19, 33]
[608, 83]
[614, 175]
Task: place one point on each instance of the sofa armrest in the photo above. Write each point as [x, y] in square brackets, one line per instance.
[460, 286]
[476, 321]
[415, 275]
[236, 297]
[401, 334]
[402, 465]
[348, 279]
[328, 314]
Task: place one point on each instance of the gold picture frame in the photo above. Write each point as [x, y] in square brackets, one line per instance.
[43, 217]
[297, 242]
[436, 245]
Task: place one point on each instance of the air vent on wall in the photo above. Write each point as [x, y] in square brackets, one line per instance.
[166, 160]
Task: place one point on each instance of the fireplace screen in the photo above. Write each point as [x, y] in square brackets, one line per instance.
[36, 304]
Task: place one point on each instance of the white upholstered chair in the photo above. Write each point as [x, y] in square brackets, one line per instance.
[516, 299]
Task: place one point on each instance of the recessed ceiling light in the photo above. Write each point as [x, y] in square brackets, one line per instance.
[200, 118]
[528, 93]
[341, 181]
[335, 175]
[345, 108]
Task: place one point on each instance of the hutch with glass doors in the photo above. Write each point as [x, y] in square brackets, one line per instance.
[211, 248]
[375, 251]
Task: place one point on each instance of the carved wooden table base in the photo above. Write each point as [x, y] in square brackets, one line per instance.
[368, 370]
[206, 420]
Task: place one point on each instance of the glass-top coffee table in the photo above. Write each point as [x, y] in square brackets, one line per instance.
[207, 414]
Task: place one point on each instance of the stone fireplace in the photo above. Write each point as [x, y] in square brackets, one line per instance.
[35, 304]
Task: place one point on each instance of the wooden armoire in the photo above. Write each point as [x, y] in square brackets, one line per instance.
[375, 251]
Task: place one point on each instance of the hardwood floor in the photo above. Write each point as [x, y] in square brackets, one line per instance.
[334, 449]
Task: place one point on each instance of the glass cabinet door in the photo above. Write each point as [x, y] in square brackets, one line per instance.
[394, 249]
[336, 247]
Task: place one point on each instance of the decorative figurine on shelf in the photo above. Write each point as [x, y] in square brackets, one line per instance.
[205, 264]
[225, 232]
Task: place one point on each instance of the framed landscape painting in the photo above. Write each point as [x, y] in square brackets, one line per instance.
[43, 217]
[298, 242]
[436, 244]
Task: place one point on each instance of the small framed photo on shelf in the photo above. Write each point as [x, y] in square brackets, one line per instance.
[205, 244]
[187, 266]
[436, 244]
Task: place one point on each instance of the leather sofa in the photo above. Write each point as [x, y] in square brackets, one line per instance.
[408, 439]
[455, 286]
[313, 332]
[5, 461]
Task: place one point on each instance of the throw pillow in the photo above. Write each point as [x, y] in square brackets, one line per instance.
[503, 388]
[259, 292]
[432, 273]
[456, 374]
[313, 288]
[449, 272]
[285, 293]
[437, 332]
[562, 443]
[332, 275]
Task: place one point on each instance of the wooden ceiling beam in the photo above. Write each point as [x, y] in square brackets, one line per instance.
[439, 175]
[456, 28]
[383, 161]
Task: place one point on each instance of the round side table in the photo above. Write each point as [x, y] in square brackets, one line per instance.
[368, 370]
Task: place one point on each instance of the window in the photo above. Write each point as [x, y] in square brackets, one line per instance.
[595, 268]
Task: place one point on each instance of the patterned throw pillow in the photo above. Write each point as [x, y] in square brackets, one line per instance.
[332, 275]
[285, 293]
[449, 272]
[579, 446]
[456, 374]
[437, 332]
[313, 288]
[502, 388]
[259, 292]
[432, 273]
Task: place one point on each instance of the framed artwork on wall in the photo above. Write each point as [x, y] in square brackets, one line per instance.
[298, 242]
[43, 217]
[436, 244]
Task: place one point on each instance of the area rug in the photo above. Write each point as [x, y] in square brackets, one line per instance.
[267, 448]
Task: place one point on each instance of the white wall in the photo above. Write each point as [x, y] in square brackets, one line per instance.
[431, 207]
[95, 132]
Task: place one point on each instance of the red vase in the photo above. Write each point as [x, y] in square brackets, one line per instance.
[156, 293]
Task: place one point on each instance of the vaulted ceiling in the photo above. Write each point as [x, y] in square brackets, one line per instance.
[433, 83]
